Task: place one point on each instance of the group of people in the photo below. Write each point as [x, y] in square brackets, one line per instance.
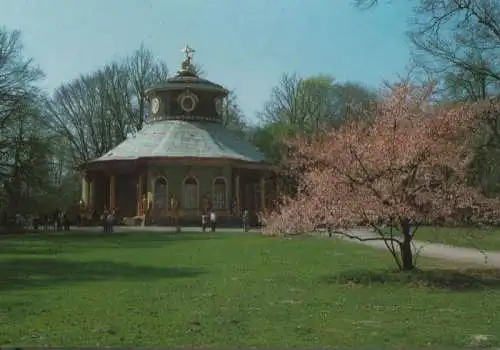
[211, 219]
[205, 218]
[108, 220]
[58, 221]
[208, 220]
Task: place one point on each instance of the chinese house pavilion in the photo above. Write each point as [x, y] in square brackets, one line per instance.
[183, 162]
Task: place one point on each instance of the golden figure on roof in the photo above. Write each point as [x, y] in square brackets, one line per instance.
[188, 57]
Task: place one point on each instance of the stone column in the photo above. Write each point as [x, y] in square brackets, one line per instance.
[92, 183]
[237, 189]
[149, 190]
[263, 193]
[85, 191]
[139, 195]
[112, 197]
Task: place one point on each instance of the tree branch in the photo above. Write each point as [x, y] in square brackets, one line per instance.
[363, 239]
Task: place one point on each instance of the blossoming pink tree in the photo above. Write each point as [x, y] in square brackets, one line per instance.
[404, 167]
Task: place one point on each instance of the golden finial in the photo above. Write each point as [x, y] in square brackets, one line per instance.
[188, 57]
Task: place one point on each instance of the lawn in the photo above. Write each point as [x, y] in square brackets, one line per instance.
[153, 289]
[487, 239]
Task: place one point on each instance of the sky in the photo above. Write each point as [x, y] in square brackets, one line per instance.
[245, 45]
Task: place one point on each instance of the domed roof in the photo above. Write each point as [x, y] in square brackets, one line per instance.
[198, 135]
[184, 139]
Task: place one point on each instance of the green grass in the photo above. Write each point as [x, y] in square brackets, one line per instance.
[150, 289]
[487, 239]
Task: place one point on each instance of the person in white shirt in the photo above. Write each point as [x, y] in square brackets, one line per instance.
[204, 220]
[213, 220]
[245, 219]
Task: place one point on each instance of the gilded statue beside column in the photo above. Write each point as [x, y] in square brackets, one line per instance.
[174, 208]
[207, 204]
[234, 207]
[143, 205]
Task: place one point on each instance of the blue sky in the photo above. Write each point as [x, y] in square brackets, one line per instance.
[245, 45]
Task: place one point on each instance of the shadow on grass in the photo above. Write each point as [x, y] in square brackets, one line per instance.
[16, 309]
[22, 273]
[447, 279]
[55, 243]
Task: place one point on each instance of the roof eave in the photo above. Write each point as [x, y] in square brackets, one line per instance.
[178, 86]
[152, 160]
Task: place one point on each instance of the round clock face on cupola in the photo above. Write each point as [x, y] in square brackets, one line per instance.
[155, 105]
[188, 101]
[188, 104]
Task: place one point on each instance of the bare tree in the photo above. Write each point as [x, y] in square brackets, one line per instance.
[232, 115]
[27, 164]
[81, 113]
[143, 71]
[97, 111]
[22, 137]
[310, 104]
[366, 4]
[17, 76]
[459, 40]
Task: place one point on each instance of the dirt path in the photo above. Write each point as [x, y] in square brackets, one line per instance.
[435, 250]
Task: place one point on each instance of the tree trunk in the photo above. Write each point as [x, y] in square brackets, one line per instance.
[405, 247]
[406, 254]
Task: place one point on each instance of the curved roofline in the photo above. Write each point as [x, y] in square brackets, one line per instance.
[173, 158]
[153, 160]
[186, 141]
[195, 86]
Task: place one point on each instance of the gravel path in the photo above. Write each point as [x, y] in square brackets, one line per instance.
[435, 250]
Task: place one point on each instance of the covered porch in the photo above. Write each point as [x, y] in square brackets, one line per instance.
[178, 192]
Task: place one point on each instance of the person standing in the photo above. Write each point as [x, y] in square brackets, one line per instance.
[58, 220]
[65, 221]
[213, 220]
[104, 220]
[111, 220]
[245, 220]
[204, 221]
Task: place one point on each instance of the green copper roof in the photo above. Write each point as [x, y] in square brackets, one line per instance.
[177, 138]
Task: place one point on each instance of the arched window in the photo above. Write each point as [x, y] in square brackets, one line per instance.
[219, 193]
[160, 194]
[190, 193]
